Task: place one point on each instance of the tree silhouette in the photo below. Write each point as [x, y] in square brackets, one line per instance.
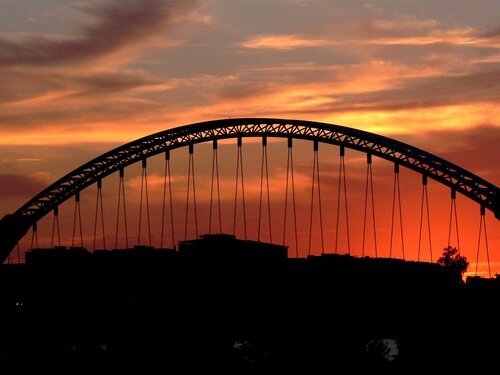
[452, 259]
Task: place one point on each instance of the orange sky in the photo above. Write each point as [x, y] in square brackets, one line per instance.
[80, 77]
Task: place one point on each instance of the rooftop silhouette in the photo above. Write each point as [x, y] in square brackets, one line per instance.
[223, 303]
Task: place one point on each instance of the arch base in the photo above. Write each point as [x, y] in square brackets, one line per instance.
[12, 229]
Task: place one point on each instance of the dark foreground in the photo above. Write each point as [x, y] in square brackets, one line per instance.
[221, 304]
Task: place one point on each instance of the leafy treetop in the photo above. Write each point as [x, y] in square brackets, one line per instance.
[451, 258]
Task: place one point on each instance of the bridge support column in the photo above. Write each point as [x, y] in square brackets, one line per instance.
[12, 229]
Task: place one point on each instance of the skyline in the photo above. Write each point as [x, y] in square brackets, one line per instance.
[79, 78]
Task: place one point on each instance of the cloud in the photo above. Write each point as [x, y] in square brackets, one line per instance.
[119, 24]
[67, 85]
[411, 31]
[283, 42]
[43, 86]
[458, 37]
[474, 149]
[113, 82]
[404, 31]
[17, 186]
[418, 93]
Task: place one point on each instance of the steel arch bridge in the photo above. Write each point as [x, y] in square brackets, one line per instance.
[14, 226]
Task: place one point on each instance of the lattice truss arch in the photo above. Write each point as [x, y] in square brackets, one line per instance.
[472, 186]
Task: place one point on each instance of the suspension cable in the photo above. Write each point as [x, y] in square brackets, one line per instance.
[147, 204]
[482, 222]
[397, 190]
[102, 217]
[215, 174]
[401, 217]
[140, 204]
[289, 171]
[286, 193]
[194, 192]
[424, 182]
[164, 196]
[99, 205]
[34, 235]
[316, 178]
[453, 214]
[456, 223]
[342, 183]
[167, 180]
[479, 241]
[236, 185]
[392, 215]
[191, 175]
[264, 165]
[373, 211]
[218, 189]
[294, 205]
[55, 226]
[96, 214]
[313, 180]
[268, 198]
[260, 194]
[368, 164]
[486, 240]
[428, 221]
[80, 221]
[77, 205]
[122, 181]
[214, 152]
[167, 155]
[338, 204]
[286, 190]
[239, 170]
[369, 188]
[320, 204]
[187, 194]
[144, 189]
[424, 201]
[121, 197]
[77, 216]
[342, 151]
[240, 140]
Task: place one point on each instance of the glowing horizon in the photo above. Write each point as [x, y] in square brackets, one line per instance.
[78, 78]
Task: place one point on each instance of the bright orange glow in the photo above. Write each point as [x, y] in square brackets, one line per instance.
[283, 42]
[69, 91]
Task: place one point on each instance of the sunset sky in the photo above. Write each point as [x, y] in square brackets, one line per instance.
[80, 77]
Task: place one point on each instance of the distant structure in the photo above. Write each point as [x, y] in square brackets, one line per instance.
[13, 227]
[227, 246]
[223, 303]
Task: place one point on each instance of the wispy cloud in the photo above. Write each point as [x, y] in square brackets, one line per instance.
[15, 185]
[117, 25]
[283, 42]
[381, 33]
[459, 37]
[61, 83]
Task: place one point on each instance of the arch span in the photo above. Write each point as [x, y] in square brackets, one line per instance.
[14, 226]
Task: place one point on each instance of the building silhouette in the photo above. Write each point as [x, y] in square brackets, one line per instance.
[219, 303]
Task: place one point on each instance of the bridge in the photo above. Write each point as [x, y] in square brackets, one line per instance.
[305, 202]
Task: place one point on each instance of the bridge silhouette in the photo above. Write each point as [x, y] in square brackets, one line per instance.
[279, 268]
[288, 223]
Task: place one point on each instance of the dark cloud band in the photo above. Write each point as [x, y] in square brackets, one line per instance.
[120, 24]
